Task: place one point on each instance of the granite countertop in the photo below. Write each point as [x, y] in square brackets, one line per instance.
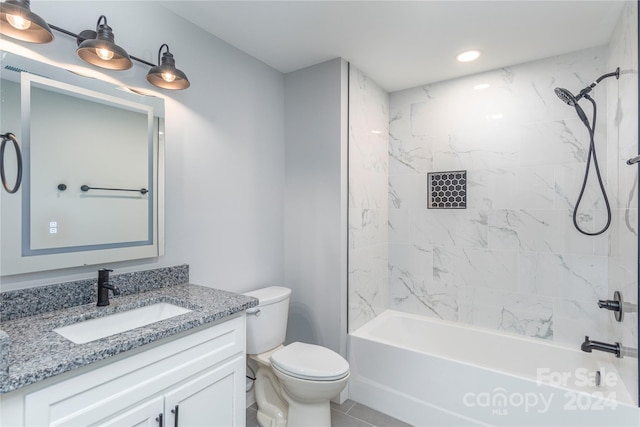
[36, 352]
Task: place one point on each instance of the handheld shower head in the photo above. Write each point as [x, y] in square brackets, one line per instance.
[572, 100]
[566, 96]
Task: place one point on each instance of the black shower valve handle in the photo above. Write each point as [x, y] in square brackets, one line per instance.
[609, 305]
[616, 305]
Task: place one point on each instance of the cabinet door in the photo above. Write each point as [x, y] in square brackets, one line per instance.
[215, 398]
[101, 392]
[147, 414]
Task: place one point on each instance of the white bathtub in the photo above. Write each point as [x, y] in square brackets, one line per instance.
[428, 372]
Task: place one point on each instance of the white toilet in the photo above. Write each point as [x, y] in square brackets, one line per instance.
[294, 383]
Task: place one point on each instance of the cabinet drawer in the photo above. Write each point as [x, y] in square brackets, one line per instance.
[100, 393]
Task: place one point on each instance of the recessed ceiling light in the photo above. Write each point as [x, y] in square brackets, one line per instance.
[482, 86]
[469, 55]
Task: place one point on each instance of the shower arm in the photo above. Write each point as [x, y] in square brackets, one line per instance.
[589, 88]
[616, 73]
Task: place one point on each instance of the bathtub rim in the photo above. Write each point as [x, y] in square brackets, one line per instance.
[364, 332]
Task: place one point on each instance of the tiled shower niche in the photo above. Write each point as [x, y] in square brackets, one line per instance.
[447, 190]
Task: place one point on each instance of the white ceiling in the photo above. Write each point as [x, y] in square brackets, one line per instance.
[402, 44]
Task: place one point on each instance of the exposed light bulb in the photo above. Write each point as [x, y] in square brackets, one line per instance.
[168, 77]
[18, 22]
[104, 54]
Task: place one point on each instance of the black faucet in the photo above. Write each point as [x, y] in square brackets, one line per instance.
[589, 345]
[104, 286]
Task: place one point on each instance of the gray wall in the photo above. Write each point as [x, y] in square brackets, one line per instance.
[224, 145]
[316, 203]
[225, 164]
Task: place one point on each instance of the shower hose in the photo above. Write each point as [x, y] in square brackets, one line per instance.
[592, 154]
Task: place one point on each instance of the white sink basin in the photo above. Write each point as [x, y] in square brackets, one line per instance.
[93, 329]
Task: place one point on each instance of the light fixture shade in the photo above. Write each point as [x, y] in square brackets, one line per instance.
[18, 22]
[165, 75]
[102, 50]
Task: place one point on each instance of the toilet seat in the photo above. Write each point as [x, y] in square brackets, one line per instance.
[310, 362]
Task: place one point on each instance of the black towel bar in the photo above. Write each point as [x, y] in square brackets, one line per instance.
[87, 188]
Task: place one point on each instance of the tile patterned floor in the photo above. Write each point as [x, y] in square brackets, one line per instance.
[349, 414]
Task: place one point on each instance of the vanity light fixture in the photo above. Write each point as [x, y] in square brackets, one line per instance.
[94, 47]
[165, 74]
[468, 56]
[19, 22]
[99, 48]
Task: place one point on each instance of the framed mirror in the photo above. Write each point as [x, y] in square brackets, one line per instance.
[92, 170]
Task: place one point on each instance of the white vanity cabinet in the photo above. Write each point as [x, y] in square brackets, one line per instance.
[199, 375]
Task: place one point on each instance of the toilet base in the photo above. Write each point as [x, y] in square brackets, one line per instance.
[308, 414]
[272, 408]
[284, 400]
[308, 400]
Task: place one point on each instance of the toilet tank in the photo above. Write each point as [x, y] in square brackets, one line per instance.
[267, 323]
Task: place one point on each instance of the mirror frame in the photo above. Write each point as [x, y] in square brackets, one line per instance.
[16, 256]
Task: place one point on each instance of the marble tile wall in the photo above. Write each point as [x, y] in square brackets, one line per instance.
[622, 140]
[512, 260]
[368, 207]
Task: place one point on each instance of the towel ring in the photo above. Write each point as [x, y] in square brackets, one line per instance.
[10, 137]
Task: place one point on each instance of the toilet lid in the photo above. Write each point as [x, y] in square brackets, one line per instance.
[310, 362]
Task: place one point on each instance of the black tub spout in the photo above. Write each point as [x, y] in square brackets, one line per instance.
[589, 345]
